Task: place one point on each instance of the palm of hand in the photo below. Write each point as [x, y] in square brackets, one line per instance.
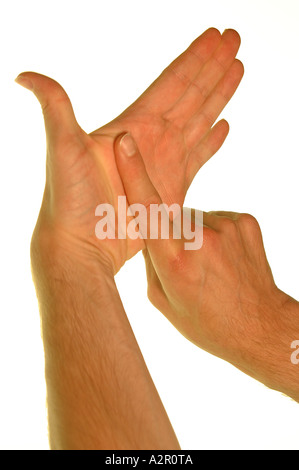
[171, 122]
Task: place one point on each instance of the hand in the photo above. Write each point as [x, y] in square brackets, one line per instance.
[80, 175]
[172, 121]
[99, 392]
[221, 297]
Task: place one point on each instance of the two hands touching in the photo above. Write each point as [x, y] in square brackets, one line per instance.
[221, 297]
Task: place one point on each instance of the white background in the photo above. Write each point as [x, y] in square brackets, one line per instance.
[105, 53]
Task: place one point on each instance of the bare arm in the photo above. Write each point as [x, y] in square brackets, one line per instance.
[222, 297]
[100, 393]
[96, 377]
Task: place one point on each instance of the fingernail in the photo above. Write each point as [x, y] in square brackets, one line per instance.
[25, 82]
[128, 145]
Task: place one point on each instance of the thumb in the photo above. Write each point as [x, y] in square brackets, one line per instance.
[140, 190]
[56, 106]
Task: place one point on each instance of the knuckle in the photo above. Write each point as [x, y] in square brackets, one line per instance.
[228, 226]
[151, 200]
[211, 238]
[55, 101]
[248, 222]
[177, 261]
[46, 106]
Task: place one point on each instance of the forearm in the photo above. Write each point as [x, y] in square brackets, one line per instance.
[269, 353]
[100, 394]
[286, 376]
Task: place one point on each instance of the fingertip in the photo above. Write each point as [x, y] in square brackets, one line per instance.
[240, 67]
[117, 145]
[213, 32]
[31, 78]
[218, 134]
[206, 43]
[127, 146]
[24, 83]
[23, 80]
[55, 103]
[43, 86]
[222, 128]
[225, 123]
[233, 35]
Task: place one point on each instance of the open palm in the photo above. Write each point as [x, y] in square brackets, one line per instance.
[172, 122]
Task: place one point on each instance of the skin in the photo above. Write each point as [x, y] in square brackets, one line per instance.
[100, 394]
[172, 128]
[172, 121]
[221, 297]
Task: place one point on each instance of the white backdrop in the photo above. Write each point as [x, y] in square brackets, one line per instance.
[105, 53]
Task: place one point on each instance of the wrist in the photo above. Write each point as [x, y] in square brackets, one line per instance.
[62, 267]
[56, 254]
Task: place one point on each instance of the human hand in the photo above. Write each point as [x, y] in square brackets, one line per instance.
[89, 345]
[80, 175]
[99, 392]
[221, 297]
[171, 122]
